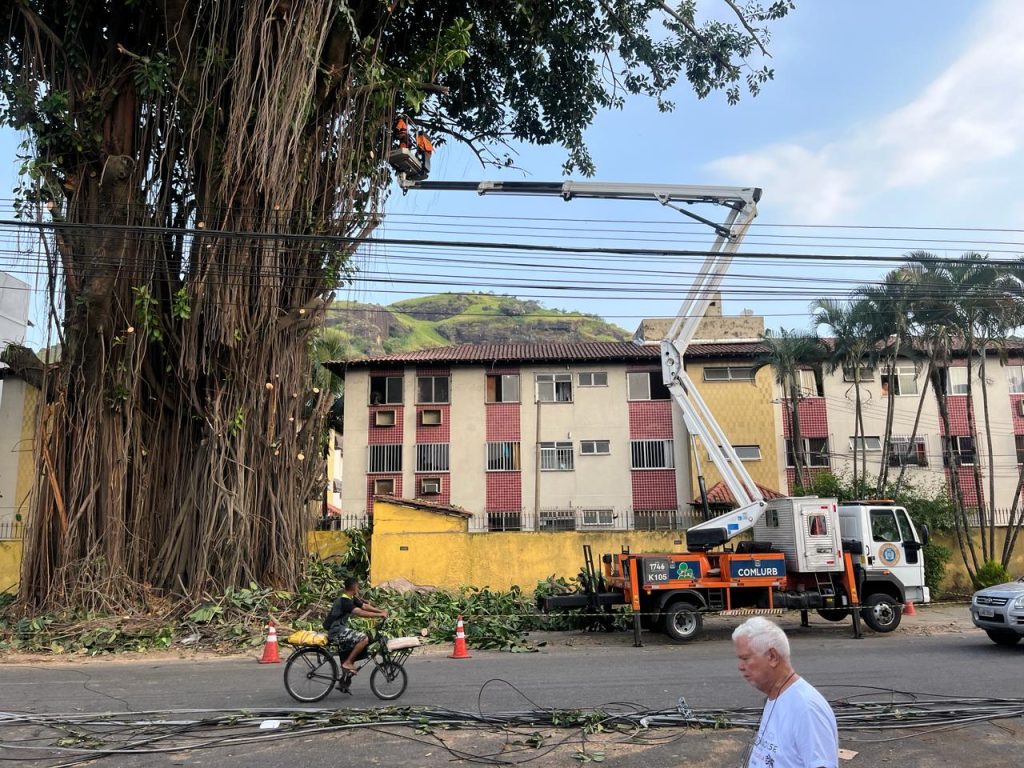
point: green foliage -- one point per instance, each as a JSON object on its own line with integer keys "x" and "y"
{"x": 936, "y": 558}
{"x": 147, "y": 313}
{"x": 991, "y": 573}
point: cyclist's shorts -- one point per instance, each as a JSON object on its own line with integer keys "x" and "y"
{"x": 345, "y": 637}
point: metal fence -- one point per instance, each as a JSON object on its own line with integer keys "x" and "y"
{"x": 555, "y": 519}
{"x": 11, "y": 529}
{"x": 341, "y": 522}
{"x": 999, "y": 517}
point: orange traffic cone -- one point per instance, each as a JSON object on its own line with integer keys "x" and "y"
{"x": 460, "y": 651}
{"x": 908, "y": 609}
{"x": 270, "y": 647}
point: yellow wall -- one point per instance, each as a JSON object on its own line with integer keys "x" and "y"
{"x": 956, "y": 573}
{"x": 10, "y": 565}
{"x": 325, "y": 544}
{"x": 745, "y": 411}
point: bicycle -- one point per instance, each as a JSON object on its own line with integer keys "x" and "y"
{"x": 312, "y": 671}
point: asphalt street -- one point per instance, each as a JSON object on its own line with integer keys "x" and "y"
{"x": 568, "y": 672}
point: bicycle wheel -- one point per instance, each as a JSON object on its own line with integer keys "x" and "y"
{"x": 388, "y": 680}
{"x": 310, "y": 674}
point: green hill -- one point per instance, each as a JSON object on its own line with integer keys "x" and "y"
{"x": 457, "y": 318}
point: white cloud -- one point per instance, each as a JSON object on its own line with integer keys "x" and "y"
{"x": 969, "y": 118}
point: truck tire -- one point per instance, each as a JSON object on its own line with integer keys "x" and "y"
{"x": 682, "y": 622}
{"x": 882, "y": 613}
{"x": 1003, "y": 636}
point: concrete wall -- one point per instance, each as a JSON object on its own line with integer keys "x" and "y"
{"x": 956, "y": 573}
{"x": 325, "y": 544}
{"x": 17, "y": 427}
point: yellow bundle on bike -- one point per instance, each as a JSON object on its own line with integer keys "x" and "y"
{"x": 306, "y": 637}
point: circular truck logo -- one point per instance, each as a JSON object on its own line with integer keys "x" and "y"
{"x": 890, "y": 554}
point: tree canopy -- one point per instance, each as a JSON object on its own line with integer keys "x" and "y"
{"x": 204, "y": 170}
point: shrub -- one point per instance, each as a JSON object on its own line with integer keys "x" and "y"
{"x": 990, "y": 574}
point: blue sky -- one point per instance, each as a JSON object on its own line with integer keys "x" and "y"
{"x": 881, "y": 114}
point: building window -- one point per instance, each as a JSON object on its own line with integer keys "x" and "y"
{"x": 962, "y": 449}
{"x": 902, "y": 379}
{"x": 903, "y": 453}
{"x": 505, "y": 521}
{"x": 557, "y": 457}
{"x": 655, "y": 520}
{"x": 385, "y": 486}
{"x": 884, "y": 526}
{"x": 729, "y": 373}
{"x": 956, "y": 381}
{"x": 503, "y": 457}
{"x": 815, "y": 452}
{"x": 1015, "y": 377}
{"x": 817, "y": 525}
{"x": 652, "y": 454}
{"x": 809, "y": 383}
{"x": 866, "y": 444}
{"x": 593, "y": 379}
{"x": 597, "y": 518}
{"x": 556, "y": 520}
{"x": 432, "y": 389}
{"x": 595, "y": 447}
{"x": 432, "y": 457}
{"x": 867, "y": 373}
{"x": 646, "y": 385}
{"x": 385, "y": 458}
{"x": 1019, "y": 440}
{"x": 771, "y": 518}
{"x": 503, "y": 388}
{"x": 554, "y": 387}
{"x": 385, "y": 390}
{"x": 745, "y": 452}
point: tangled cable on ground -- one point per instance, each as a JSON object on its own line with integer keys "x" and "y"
{"x": 72, "y": 739}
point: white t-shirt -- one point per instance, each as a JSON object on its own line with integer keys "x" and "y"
{"x": 798, "y": 730}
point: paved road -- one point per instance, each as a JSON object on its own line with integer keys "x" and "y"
{"x": 591, "y": 672}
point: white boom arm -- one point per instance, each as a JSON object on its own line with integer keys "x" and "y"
{"x": 699, "y": 421}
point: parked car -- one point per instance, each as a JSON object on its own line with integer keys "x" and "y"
{"x": 999, "y": 610}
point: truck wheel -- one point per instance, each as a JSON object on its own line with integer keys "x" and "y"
{"x": 882, "y": 613}
{"x": 682, "y": 622}
{"x": 833, "y": 614}
{"x": 1003, "y": 636}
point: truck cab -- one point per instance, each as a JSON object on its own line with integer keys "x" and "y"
{"x": 886, "y": 546}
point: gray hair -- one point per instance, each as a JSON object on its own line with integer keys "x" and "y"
{"x": 763, "y": 635}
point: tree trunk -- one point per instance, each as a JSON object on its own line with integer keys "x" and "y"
{"x": 890, "y": 407}
{"x": 961, "y": 524}
{"x": 917, "y": 422}
{"x": 984, "y": 518}
{"x": 991, "y": 551}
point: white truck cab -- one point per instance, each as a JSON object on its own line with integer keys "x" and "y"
{"x": 884, "y": 542}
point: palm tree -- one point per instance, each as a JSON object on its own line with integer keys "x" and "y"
{"x": 787, "y": 352}
{"x": 853, "y": 347}
{"x": 890, "y": 303}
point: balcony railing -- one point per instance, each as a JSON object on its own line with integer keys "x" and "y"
{"x": 11, "y": 530}
{"x": 583, "y": 519}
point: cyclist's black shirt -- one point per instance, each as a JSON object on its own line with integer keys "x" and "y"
{"x": 341, "y": 610}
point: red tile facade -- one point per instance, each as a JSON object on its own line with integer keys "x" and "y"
{"x": 386, "y": 435}
{"x": 958, "y": 406}
{"x": 369, "y": 489}
{"x": 444, "y": 497}
{"x": 650, "y": 420}
{"x": 972, "y": 495}
{"x": 504, "y": 490}
{"x": 1018, "y": 420}
{"x": 433, "y": 433}
{"x": 813, "y": 417}
{"x": 654, "y": 489}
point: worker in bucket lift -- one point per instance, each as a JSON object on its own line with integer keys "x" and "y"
{"x": 798, "y": 727}
{"x": 339, "y": 633}
{"x": 417, "y": 143}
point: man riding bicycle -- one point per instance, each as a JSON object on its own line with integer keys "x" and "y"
{"x": 339, "y": 633}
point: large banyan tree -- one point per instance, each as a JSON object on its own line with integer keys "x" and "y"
{"x": 201, "y": 172}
